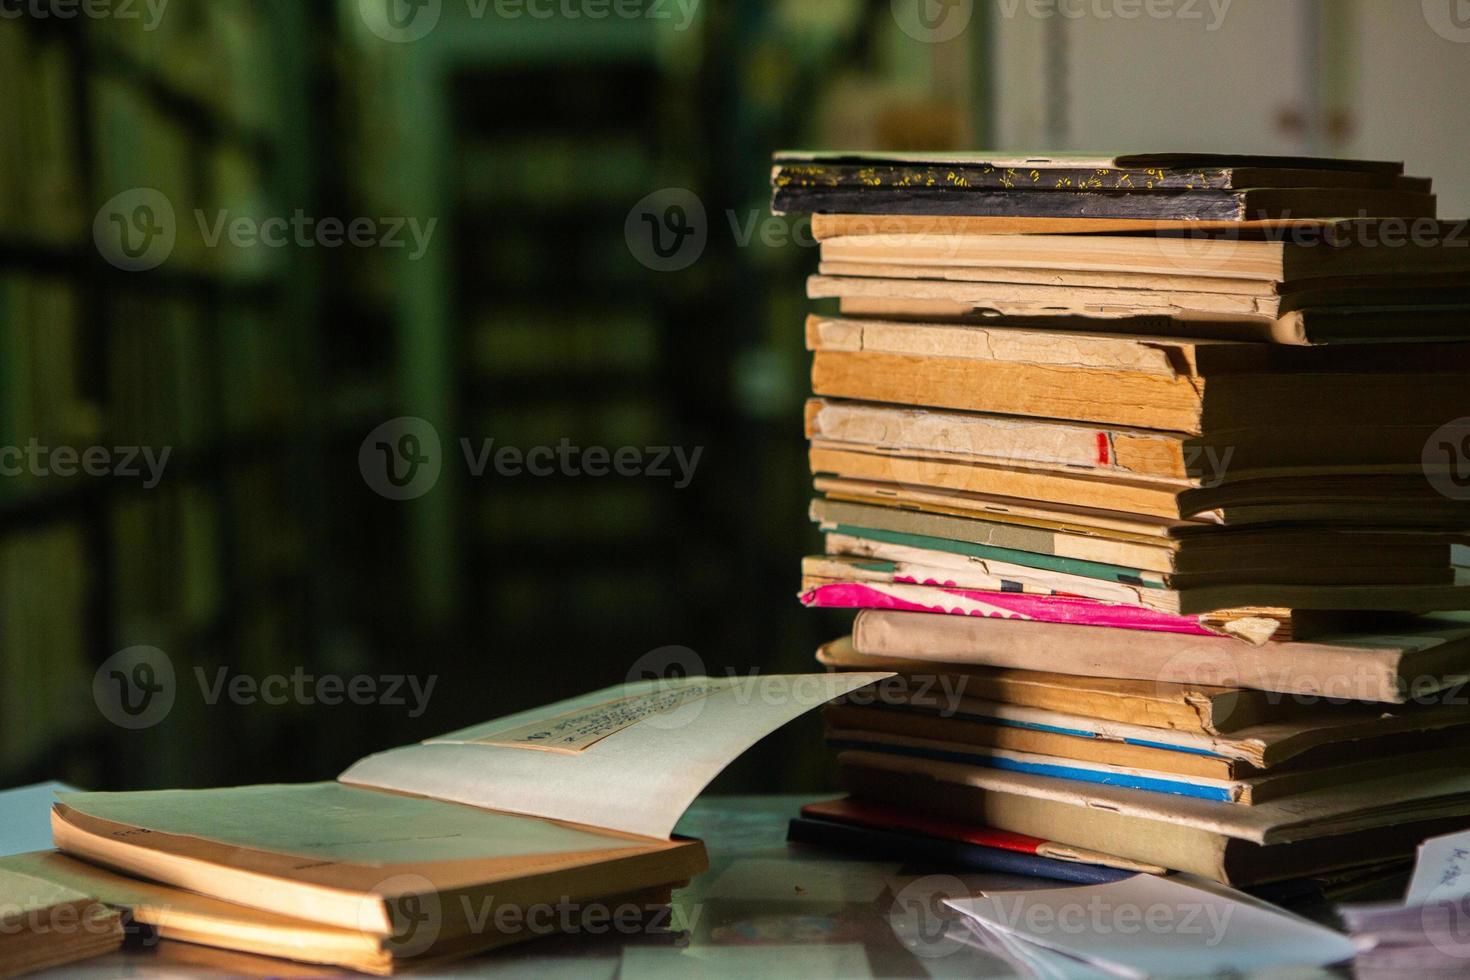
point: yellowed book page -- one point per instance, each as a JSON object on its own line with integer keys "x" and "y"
{"x": 633, "y": 757}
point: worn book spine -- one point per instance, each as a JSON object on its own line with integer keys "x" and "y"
{"x": 1166, "y": 205}
{"x": 1131, "y": 497}
{"x": 1361, "y": 672}
{"x": 1146, "y": 401}
{"x": 825, "y": 226}
{"x": 1153, "y": 704}
{"x": 1053, "y": 177}
{"x": 1004, "y": 440}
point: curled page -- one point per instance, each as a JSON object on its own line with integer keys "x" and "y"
{"x": 629, "y": 758}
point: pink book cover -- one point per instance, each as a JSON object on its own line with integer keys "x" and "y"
{"x": 1076, "y": 610}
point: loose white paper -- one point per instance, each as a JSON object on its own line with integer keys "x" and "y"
{"x": 1442, "y": 870}
{"x": 1035, "y": 962}
{"x": 638, "y": 775}
{"x": 1147, "y": 926}
{"x": 25, "y": 817}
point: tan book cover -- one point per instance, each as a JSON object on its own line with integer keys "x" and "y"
{"x": 1414, "y": 662}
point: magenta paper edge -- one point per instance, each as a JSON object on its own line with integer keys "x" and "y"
{"x": 1001, "y": 605}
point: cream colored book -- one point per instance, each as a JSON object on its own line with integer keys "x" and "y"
{"x": 1170, "y": 458}
{"x": 1409, "y": 660}
{"x": 440, "y": 844}
{"x": 169, "y": 914}
{"x": 1235, "y": 264}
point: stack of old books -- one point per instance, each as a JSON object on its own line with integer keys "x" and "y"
{"x": 1150, "y": 474}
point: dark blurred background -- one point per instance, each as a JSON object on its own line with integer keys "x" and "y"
{"x": 535, "y": 308}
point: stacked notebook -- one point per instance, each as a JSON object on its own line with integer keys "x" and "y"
{"x": 1145, "y": 472}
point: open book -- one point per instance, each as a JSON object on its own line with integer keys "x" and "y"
{"x": 450, "y": 846}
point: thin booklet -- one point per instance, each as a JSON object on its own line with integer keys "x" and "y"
{"x": 574, "y": 802}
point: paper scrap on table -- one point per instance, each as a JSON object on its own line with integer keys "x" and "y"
{"x": 801, "y": 880}
{"x": 1441, "y": 871}
{"x": 25, "y": 817}
{"x": 1149, "y": 926}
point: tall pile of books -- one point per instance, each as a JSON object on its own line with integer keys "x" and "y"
{"x": 1149, "y": 475}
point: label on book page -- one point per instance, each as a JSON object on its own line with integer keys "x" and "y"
{"x": 581, "y": 728}
{"x": 1442, "y": 870}
{"x": 634, "y": 756}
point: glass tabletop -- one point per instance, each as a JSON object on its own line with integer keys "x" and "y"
{"x": 765, "y": 909}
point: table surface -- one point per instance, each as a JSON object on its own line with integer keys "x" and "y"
{"x": 765, "y": 909}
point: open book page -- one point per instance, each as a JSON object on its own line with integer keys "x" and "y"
{"x": 331, "y": 822}
{"x": 629, "y": 758}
